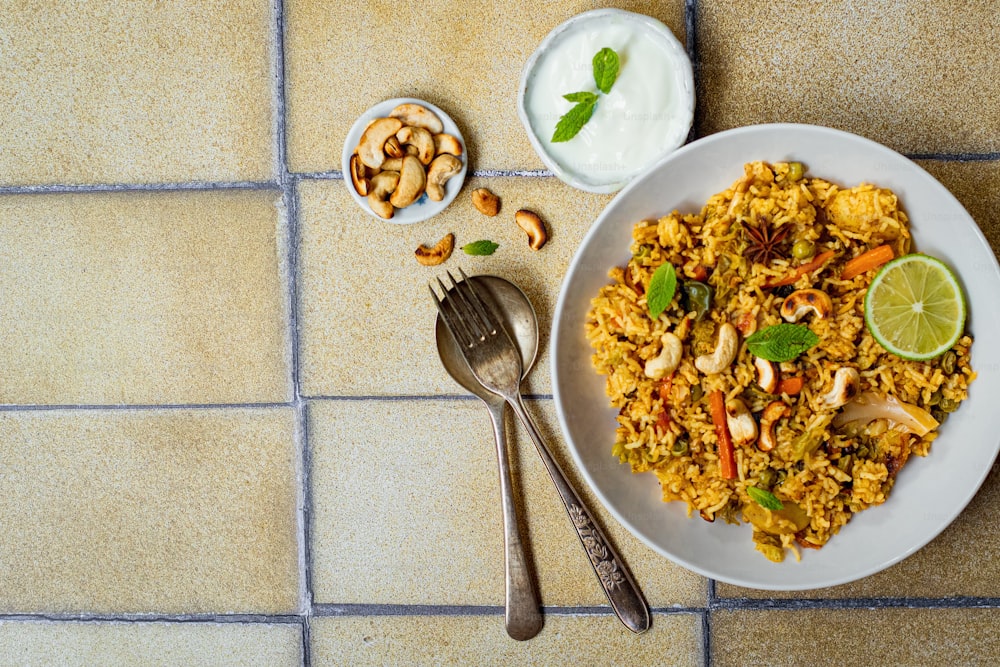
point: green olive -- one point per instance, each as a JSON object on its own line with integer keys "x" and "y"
{"x": 803, "y": 249}
{"x": 795, "y": 171}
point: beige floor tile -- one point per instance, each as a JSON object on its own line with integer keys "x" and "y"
{"x": 429, "y": 530}
{"x": 29, "y": 644}
{"x": 144, "y": 298}
{"x": 467, "y": 62}
{"x": 106, "y": 92}
{"x": 149, "y": 511}
{"x": 366, "y": 318}
{"x": 912, "y": 77}
{"x": 674, "y": 639}
{"x": 911, "y": 637}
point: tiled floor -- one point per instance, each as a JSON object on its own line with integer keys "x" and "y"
{"x": 225, "y": 437}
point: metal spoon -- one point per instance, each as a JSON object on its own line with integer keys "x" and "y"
{"x": 523, "y": 611}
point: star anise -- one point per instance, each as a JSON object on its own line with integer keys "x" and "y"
{"x": 763, "y": 245}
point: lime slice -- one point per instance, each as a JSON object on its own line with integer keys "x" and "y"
{"x": 914, "y": 307}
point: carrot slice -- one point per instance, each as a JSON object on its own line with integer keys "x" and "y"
{"x": 727, "y": 457}
{"x": 867, "y": 260}
{"x": 802, "y": 269}
{"x": 790, "y": 385}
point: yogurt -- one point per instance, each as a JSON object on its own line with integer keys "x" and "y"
{"x": 647, "y": 113}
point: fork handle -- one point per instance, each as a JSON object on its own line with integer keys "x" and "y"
{"x": 624, "y": 595}
{"x": 523, "y": 614}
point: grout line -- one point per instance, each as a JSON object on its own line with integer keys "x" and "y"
{"x": 706, "y": 638}
{"x": 387, "y": 609}
{"x": 291, "y": 261}
{"x": 414, "y": 397}
{"x": 137, "y": 407}
{"x": 955, "y": 157}
{"x": 249, "y": 619}
{"x": 138, "y": 187}
{"x": 795, "y": 604}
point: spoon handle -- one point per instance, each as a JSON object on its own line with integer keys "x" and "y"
{"x": 624, "y": 595}
{"x": 523, "y": 611}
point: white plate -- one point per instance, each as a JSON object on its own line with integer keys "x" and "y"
{"x": 425, "y": 207}
{"x": 929, "y": 492}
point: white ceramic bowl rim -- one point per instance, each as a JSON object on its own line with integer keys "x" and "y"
{"x": 929, "y": 493}
{"x": 672, "y": 43}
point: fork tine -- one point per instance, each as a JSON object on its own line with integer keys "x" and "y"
{"x": 472, "y": 305}
{"x": 466, "y": 311}
{"x": 477, "y": 301}
{"x": 450, "y": 317}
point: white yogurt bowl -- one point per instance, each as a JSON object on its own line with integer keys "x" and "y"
{"x": 646, "y": 115}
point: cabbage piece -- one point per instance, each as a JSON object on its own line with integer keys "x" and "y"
{"x": 902, "y": 416}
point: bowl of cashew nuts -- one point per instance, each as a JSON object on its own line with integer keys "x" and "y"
{"x": 404, "y": 160}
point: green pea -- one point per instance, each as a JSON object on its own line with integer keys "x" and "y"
{"x": 696, "y": 393}
{"x": 697, "y": 298}
{"x": 934, "y": 399}
{"x": 795, "y": 171}
{"x": 948, "y": 405}
{"x": 803, "y": 249}
{"x": 767, "y": 478}
{"x": 680, "y": 446}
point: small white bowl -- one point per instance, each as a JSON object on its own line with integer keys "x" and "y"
{"x": 425, "y": 207}
{"x": 682, "y": 84}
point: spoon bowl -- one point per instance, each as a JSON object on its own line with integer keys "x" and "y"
{"x": 518, "y": 318}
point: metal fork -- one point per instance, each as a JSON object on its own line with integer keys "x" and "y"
{"x": 496, "y": 363}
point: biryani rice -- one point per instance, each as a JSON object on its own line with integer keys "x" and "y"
{"x": 821, "y": 470}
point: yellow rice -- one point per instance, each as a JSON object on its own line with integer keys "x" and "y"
{"x": 821, "y": 470}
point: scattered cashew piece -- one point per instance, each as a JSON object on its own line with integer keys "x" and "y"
{"x": 359, "y": 176}
{"x": 767, "y": 375}
{"x": 742, "y": 426}
{"x": 669, "y": 358}
{"x": 437, "y": 254}
{"x": 371, "y": 147}
{"x": 485, "y": 202}
{"x": 412, "y": 180}
{"x": 724, "y": 353}
{"x": 418, "y": 116}
{"x": 533, "y": 227}
{"x": 418, "y": 138}
{"x": 379, "y": 191}
{"x": 447, "y": 143}
{"x": 846, "y": 385}
{"x": 801, "y": 302}
{"x": 774, "y": 411}
{"x": 442, "y": 168}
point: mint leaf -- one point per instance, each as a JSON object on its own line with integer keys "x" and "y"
{"x": 605, "y": 69}
{"x": 781, "y": 342}
{"x": 483, "y": 247}
{"x": 574, "y": 120}
{"x": 661, "y": 290}
{"x": 765, "y": 499}
{"x": 582, "y": 96}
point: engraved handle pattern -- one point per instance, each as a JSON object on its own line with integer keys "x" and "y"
{"x": 603, "y": 560}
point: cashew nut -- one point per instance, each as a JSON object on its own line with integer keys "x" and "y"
{"x": 393, "y": 148}
{"x": 533, "y": 226}
{"x": 669, "y": 358}
{"x": 359, "y": 175}
{"x": 412, "y": 180}
{"x": 372, "y": 143}
{"x": 798, "y": 304}
{"x": 420, "y": 139}
{"x": 724, "y": 353}
{"x": 485, "y": 202}
{"x": 846, "y": 385}
{"x": 767, "y": 375}
{"x": 742, "y": 426}
{"x": 393, "y": 164}
{"x": 418, "y": 116}
{"x": 774, "y": 411}
{"x": 438, "y": 254}
{"x": 381, "y": 187}
{"x": 442, "y": 168}
{"x": 446, "y": 143}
